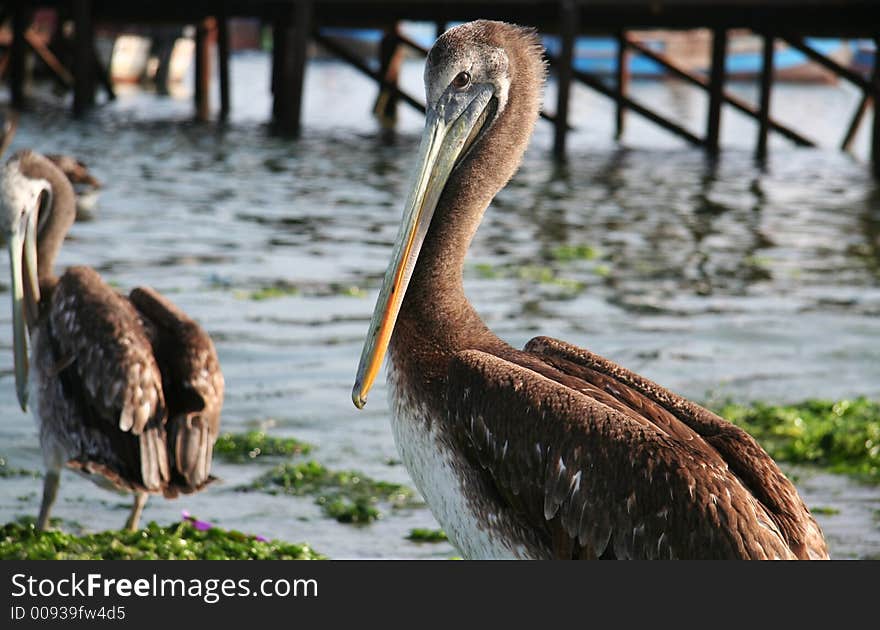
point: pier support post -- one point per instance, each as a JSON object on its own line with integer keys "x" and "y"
{"x": 716, "y": 89}
{"x": 202, "y": 92}
{"x": 875, "y": 132}
{"x": 223, "y": 64}
{"x": 83, "y": 57}
{"x": 568, "y": 29}
{"x": 16, "y": 55}
{"x": 764, "y": 107}
{"x": 622, "y": 83}
{"x": 856, "y": 122}
{"x": 390, "y": 60}
{"x": 292, "y": 30}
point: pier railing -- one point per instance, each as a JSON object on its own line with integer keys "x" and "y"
{"x": 296, "y": 23}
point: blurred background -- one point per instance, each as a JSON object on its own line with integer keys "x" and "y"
{"x": 269, "y": 214}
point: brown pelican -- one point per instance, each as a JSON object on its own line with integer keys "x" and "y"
{"x": 127, "y": 392}
{"x": 84, "y": 183}
{"x": 551, "y": 451}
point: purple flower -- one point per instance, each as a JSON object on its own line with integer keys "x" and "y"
{"x": 199, "y": 525}
{"x": 204, "y": 525}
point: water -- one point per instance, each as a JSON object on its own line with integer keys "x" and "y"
{"x": 723, "y": 280}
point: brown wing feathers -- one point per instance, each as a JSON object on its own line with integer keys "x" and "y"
{"x": 193, "y": 385}
{"x": 114, "y": 377}
{"x": 148, "y": 428}
{"x": 596, "y": 481}
{"x": 739, "y": 450}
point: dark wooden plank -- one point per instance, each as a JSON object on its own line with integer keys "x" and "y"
{"x": 20, "y": 19}
{"x": 622, "y": 83}
{"x": 292, "y": 31}
{"x": 223, "y": 64}
{"x": 716, "y": 89}
{"x": 875, "y": 132}
{"x": 202, "y": 92}
{"x": 568, "y": 29}
{"x": 83, "y": 57}
{"x": 764, "y": 106}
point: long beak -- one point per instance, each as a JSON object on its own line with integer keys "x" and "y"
{"x": 450, "y": 130}
{"x": 25, "y": 297}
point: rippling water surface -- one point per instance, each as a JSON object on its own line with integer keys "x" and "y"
{"x": 720, "y": 280}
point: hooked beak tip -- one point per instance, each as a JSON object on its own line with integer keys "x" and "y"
{"x": 356, "y": 397}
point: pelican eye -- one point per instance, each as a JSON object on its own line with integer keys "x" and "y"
{"x": 461, "y": 80}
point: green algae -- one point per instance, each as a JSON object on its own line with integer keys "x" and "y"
{"x": 178, "y": 541}
{"x": 347, "y": 496}
{"x": 825, "y": 511}
{"x": 840, "y": 436}
{"x": 8, "y": 471}
{"x": 269, "y": 292}
{"x": 567, "y": 253}
{"x": 281, "y": 289}
{"x": 252, "y": 445}
{"x": 424, "y": 535}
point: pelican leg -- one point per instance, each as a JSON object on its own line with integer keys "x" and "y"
{"x": 140, "y": 500}
{"x": 50, "y": 490}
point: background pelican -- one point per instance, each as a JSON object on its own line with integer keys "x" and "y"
{"x": 552, "y": 451}
{"x": 126, "y": 391}
{"x": 85, "y": 185}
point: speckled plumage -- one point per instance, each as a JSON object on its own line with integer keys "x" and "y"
{"x": 127, "y": 391}
{"x": 552, "y": 451}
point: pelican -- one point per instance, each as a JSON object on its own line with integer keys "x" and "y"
{"x": 550, "y": 451}
{"x": 84, "y": 183}
{"x": 125, "y": 391}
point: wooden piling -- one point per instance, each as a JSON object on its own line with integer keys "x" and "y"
{"x": 104, "y": 77}
{"x": 568, "y": 29}
{"x": 293, "y": 30}
{"x": 202, "y": 92}
{"x": 856, "y": 122}
{"x": 716, "y": 89}
{"x": 16, "y": 54}
{"x": 83, "y": 57}
{"x": 875, "y": 132}
{"x": 764, "y": 107}
{"x": 623, "y": 76}
{"x": 223, "y": 64}
{"x": 390, "y": 59}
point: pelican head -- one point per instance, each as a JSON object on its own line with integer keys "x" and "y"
{"x": 473, "y": 74}
{"x": 21, "y": 198}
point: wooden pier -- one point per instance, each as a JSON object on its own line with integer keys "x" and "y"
{"x": 296, "y": 23}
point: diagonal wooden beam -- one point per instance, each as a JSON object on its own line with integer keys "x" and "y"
{"x": 798, "y": 43}
{"x": 33, "y": 40}
{"x": 730, "y": 99}
{"x": 596, "y": 84}
{"x": 346, "y": 55}
{"x": 856, "y": 122}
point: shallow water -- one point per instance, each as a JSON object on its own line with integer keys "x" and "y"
{"x": 720, "y": 280}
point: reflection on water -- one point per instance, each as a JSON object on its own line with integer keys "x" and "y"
{"x": 718, "y": 279}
